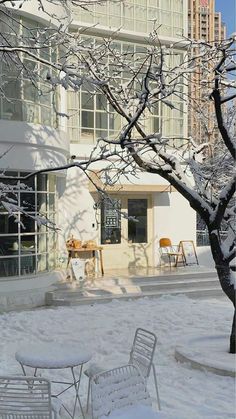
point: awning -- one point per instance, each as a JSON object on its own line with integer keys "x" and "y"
{"x": 124, "y": 186}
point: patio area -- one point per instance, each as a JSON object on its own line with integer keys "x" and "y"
{"x": 194, "y": 281}
{"x": 107, "y": 331}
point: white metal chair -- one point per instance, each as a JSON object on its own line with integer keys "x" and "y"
{"x": 25, "y": 398}
{"x": 116, "y": 389}
{"x": 141, "y": 355}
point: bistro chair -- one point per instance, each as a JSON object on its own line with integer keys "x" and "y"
{"x": 25, "y": 398}
{"x": 172, "y": 252}
{"x": 118, "y": 389}
{"x": 141, "y": 355}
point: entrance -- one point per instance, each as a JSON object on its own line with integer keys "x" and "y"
{"x": 126, "y": 231}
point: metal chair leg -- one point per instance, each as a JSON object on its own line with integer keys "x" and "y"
{"x": 156, "y": 386}
{"x": 88, "y": 395}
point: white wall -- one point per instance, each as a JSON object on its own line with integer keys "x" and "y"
{"x": 76, "y": 214}
{"x": 32, "y": 10}
{"x": 31, "y": 147}
{"x": 173, "y": 218}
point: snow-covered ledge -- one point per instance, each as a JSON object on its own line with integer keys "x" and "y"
{"x": 17, "y": 294}
{"x": 208, "y": 353}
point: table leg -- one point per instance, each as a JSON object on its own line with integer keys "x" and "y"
{"x": 69, "y": 258}
{"x": 76, "y": 385}
{"x": 101, "y": 262}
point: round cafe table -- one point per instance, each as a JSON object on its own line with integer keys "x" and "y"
{"x": 52, "y": 356}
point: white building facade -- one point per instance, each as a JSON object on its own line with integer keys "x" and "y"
{"x": 33, "y": 138}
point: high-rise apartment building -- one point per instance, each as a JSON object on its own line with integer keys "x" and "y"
{"x": 204, "y": 23}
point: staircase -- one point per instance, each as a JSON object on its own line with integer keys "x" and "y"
{"x": 101, "y": 290}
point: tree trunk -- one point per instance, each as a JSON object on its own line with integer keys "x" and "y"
{"x": 224, "y": 275}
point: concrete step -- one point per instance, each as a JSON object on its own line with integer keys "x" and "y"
{"x": 194, "y": 284}
{"x": 94, "y": 299}
{"x": 107, "y": 287}
{"x": 175, "y": 276}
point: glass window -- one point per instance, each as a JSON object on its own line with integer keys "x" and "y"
{"x": 137, "y": 228}
{"x": 101, "y": 120}
{"x": 87, "y": 101}
{"x": 87, "y": 119}
{"x": 110, "y": 221}
{"x": 22, "y": 241}
{"x": 27, "y": 77}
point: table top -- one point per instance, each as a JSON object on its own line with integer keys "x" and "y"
{"x": 52, "y": 355}
{"x": 84, "y": 249}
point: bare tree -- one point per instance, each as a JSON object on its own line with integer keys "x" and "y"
{"x": 135, "y": 84}
{"x": 160, "y": 75}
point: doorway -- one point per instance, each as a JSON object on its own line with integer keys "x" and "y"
{"x": 127, "y": 231}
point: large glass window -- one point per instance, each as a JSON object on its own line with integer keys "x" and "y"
{"x": 91, "y": 117}
{"x": 137, "y": 15}
{"x": 26, "y": 247}
{"x": 26, "y": 95}
{"x": 137, "y": 223}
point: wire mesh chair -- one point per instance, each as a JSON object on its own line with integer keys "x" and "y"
{"x": 141, "y": 355}
{"x": 116, "y": 389}
{"x": 25, "y": 398}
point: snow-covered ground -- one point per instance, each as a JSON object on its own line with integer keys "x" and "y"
{"x": 108, "y": 329}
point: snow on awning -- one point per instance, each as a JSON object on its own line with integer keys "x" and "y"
{"x": 132, "y": 184}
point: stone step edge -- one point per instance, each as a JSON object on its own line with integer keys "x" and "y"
{"x": 143, "y": 282}
{"x": 104, "y": 298}
{"x": 168, "y": 285}
{"x": 132, "y": 289}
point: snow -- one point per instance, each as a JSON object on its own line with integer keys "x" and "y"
{"x": 52, "y": 355}
{"x": 107, "y": 331}
{"x": 136, "y": 412}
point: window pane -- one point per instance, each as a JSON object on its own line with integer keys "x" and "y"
{"x": 110, "y": 221}
{"x": 12, "y": 110}
{"x": 87, "y": 119}
{"x": 87, "y": 101}
{"x": 101, "y": 120}
{"x": 101, "y": 102}
{"x": 42, "y": 182}
{"x": 8, "y": 267}
{"x": 9, "y": 246}
{"x": 27, "y": 264}
{"x": 27, "y": 244}
{"x": 27, "y": 224}
{"x": 52, "y": 183}
{"x": 8, "y": 224}
{"x": 29, "y": 182}
{"x": 27, "y": 201}
{"x": 137, "y": 230}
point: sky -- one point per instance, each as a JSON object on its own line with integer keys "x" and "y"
{"x": 228, "y": 10}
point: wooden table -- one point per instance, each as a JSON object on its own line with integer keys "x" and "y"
{"x": 73, "y": 253}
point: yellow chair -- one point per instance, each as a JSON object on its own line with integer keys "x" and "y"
{"x": 171, "y": 251}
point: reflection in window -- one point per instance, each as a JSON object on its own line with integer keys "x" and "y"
{"x": 137, "y": 229}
